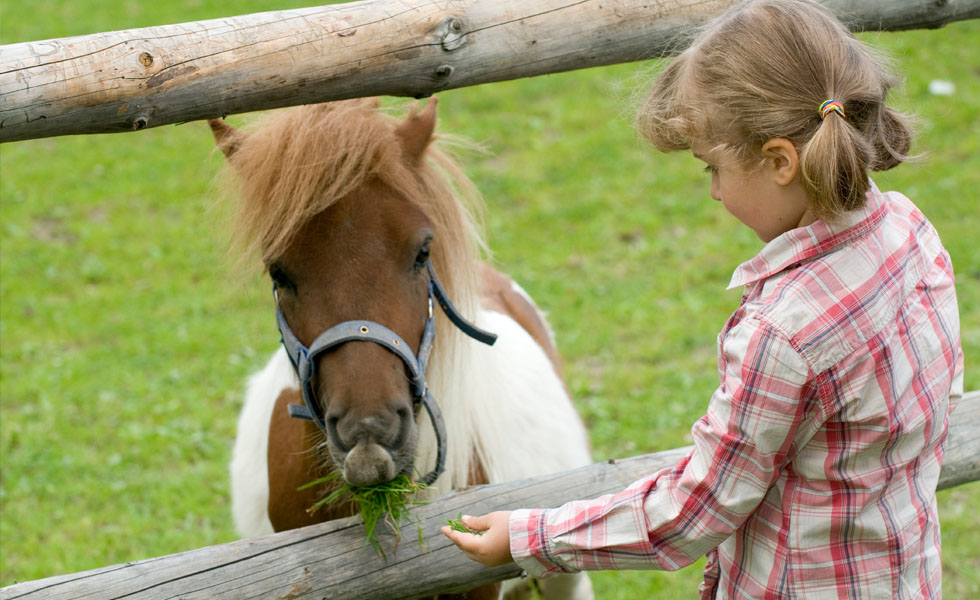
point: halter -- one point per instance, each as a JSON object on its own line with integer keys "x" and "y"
{"x": 304, "y": 360}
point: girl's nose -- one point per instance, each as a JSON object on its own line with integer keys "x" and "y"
{"x": 714, "y": 192}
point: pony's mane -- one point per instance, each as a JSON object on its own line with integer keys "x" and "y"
{"x": 295, "y": 163}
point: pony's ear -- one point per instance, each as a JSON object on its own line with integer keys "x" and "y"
{"x": 415, "y": 131}
{"x": 226, "y": 137}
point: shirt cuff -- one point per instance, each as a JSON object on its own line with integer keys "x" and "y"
{"x": 529, "y": 543}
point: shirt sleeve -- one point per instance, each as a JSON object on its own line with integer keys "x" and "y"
{"x": 672, "y": 518}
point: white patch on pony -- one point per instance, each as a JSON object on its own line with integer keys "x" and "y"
{"x": 526, "y": 423}
{"x": 249, "y": 469}
{"x": 506, "y": 402}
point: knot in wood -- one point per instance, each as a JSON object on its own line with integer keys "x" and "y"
{"x": 146, "y": 59}
{"x": 451, "y": 33}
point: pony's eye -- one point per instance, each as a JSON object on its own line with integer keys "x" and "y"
{"x": 422, "y": 257}
{"x": 279, "y": 278}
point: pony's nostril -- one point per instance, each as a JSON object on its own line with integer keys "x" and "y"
{"x": 334, "y": 435}
{"x": 405, "y": 422}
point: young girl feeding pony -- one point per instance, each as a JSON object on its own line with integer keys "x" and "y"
{"x": 813, "y": 472}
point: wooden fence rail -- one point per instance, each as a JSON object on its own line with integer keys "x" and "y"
{"x": 141, "y": 78}
{"x": 332, "y": 560}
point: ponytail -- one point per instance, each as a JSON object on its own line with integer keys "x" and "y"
{"x": 836, "y": 158}
{"x": 834, "y": 164}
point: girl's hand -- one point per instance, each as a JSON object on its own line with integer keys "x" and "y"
{"x": 492, "y": 547}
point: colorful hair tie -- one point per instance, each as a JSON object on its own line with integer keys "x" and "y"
{"x": 830, "y": 106}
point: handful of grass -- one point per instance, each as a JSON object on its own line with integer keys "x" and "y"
{"x": 389, "y": 501}
{"x": 457, "y": 525}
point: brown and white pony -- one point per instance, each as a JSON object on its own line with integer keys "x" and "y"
{"x": 346, "y": 205}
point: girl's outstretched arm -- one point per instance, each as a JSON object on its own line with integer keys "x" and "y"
{"x": 492, "y": 546}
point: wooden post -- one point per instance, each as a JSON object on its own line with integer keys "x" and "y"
{"x": 333, "y": 561}
{"x": 141, "y": 78}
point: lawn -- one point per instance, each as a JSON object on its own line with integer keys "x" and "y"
{"x": 125, "y": 337}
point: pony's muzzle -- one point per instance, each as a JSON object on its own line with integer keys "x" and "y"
{"x": 372, "y": 449}
{"x": 367, "y": 464}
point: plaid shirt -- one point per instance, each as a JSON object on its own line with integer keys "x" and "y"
{"x": 813, "y": 473}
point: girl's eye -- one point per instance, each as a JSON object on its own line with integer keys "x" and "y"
{"x": 710, "y": 169}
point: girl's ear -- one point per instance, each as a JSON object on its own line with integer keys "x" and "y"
{"x": 781, "y": 160}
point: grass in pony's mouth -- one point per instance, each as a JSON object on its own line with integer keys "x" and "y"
{"x": 389, "y": 501}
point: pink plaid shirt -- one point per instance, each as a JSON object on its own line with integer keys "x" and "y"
{"x": 813, "y": 473}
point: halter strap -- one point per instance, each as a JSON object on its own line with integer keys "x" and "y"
{"x": 303, "y": 360}
{"x": 454, "y": 315}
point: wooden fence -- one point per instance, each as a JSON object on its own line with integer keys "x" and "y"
{"x": 141, "y": 78}
{"x": 333, "y": 561}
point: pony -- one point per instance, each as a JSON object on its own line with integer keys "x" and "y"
{"x": 361, "y": 221}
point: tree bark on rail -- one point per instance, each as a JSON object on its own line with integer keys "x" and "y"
{"x": 141, "y": 78}
{"x": 333, "y": 561}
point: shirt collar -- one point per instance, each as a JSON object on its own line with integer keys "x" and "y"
{"x": 804, "y": 243}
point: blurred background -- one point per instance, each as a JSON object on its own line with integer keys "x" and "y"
{"x": 125, "y": 336}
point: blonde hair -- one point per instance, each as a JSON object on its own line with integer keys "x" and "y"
{"x": 761, "y": 71}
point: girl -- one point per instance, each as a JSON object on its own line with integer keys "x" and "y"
{"x": 813, "y": 473}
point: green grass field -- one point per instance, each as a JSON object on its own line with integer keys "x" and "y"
{"x": 125, "y": 337}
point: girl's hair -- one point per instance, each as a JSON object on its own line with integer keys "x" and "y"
{"x": 761, "y": 71}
